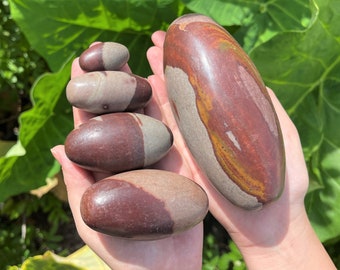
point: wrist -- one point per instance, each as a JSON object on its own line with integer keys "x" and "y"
{"x": 298, "y": 248}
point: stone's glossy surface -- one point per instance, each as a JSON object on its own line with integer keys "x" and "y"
{"x": 108, "y": 91}
{"x": 144, "y": 204}
{"x": 224, "y": 111}
{"x": 118, "y": 142}
{"x": 104, "y": 56}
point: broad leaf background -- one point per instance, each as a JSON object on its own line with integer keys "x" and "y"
{"x": 294, "y": 44}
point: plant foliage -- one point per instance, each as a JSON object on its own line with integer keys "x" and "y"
{"x": 216, "y": 257}
{"x": 29, "y": 226}
{"x": 19, "y": 67}
{"x": 82, "y": 259}
{"x": 295, "y": 44}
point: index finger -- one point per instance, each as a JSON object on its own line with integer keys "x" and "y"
{"x": 79, "y": 116}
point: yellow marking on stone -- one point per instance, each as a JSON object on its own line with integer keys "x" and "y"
{"x": 223, "y": 152}
{"x": 234, "y": 170}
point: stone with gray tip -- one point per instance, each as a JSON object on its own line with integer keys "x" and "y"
{"x": 108, "y": 91}
{"x": 118, "y": 142}
{"x": 144, "y": 204}
{"x": 104, "y": 56}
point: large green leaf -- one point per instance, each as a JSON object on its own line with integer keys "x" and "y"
{"x": 303, "y": 68}
{"x": 260, "y": 20}
{"x": 42, "y": 127}
{"x": 82, "y": 259}
{"x": 58, "y": 29}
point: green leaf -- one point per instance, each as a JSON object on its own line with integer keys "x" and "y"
{"x": 5, "y": 146}
{"x": 59, "y": 29}
{"x": 213, "y": 259}
{"x": 303, "y": 68}
{"x": 86, "y": 258}
{"x": 260, "y": 20}
{"x": 82, "y": 259}
{"x": 42, "y": 127}
{"x": 322, "y": 204}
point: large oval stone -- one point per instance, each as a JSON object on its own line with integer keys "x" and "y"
{"x": 224, "y": 111}
{"x": 108, "y": 91}
{"x": 104, "y": 56}
{"x": 118, "y": 142}
{"x": 144, "y": 204}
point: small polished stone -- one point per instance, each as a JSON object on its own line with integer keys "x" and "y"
{"x": 144, "y": 204}
{"x": 118, "y": 142}
{"x": 104, "y": 56}
{"x": 102, "y": 92}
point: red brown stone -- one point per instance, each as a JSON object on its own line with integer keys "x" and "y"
{"x": 118, "y": 142}
{"x": 143, "y": 204}
{"x": 224, "y": 111}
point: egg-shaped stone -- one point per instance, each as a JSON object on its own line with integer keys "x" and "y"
{"x": 118, "y": 142}
{"x": 102, "y": 92}
{"x": 224, "y": 111}
{"x": 144, "y": 204}
{"x": 104, "y": 56}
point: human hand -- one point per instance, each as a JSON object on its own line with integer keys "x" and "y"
{"x": 182, "y": 251}
{"x": 257, "y": 233}
{"x": 280, "y": 234}
{"x": 292, "y": 147}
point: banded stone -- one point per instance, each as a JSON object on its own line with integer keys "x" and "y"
{"x": 224, "y": 111}
{"x": 144, "y": 204}
{"x": 108, "y": 91}
{"x": 104, "y": 56}
{"x": 118, "y": 142}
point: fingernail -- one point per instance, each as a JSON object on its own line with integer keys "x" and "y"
{"x": 55, "y": 153}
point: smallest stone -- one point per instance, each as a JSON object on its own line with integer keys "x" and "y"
{"x": 104, "y": 56}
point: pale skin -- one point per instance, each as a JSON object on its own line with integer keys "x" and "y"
{"x": 279, "y": 236}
